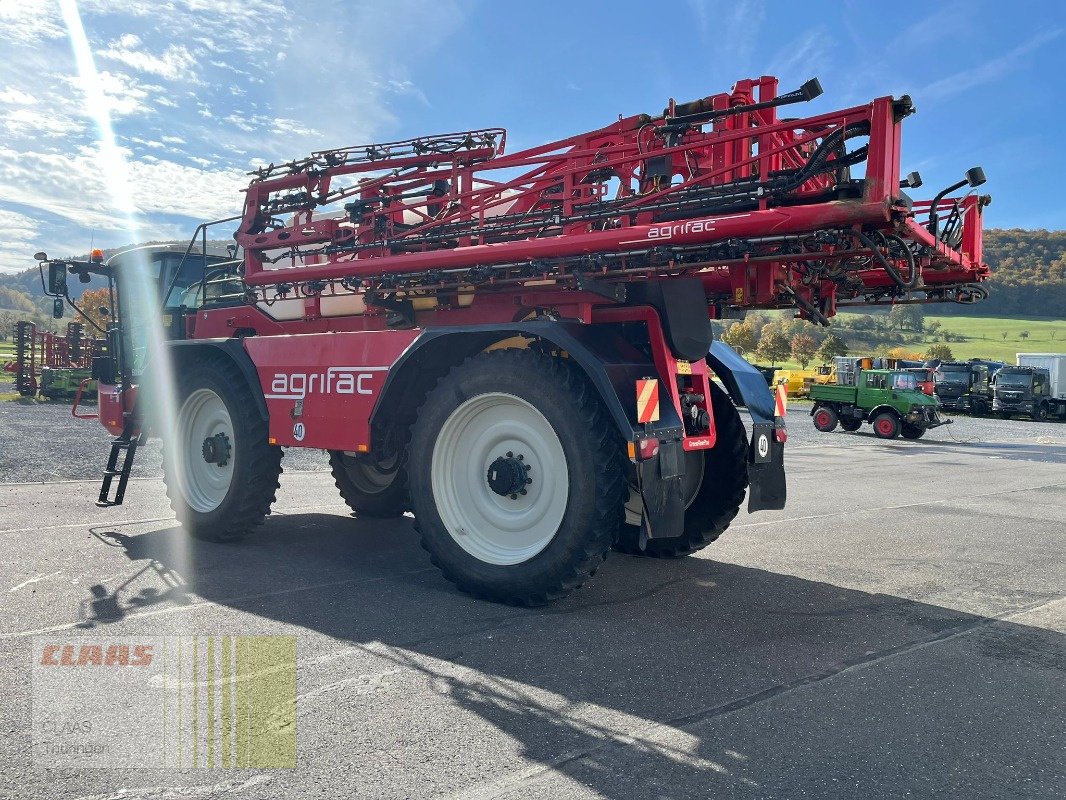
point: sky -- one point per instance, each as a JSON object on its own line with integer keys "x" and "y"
{"x": 200, "y": 91}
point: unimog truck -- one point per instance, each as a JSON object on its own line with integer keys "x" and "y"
{"x": 889, "y": 400}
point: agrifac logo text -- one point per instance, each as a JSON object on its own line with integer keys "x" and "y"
{"x": 335, "y": 380}
{"x": 670, "y": 231}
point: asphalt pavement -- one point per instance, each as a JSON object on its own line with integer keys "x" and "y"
{"x": 897, "y": 631}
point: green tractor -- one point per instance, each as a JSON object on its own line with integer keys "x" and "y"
{"x": 890, "y": 400}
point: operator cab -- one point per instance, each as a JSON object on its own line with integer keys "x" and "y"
{"x": 169, "y": 280}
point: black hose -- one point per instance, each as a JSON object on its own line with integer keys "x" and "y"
{"x": 887, "y": 266}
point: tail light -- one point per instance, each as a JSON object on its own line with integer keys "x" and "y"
{"x": 647, "y": 448}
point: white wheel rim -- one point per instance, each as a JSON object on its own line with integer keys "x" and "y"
{"x": 493, "y": 528}
{"x": 204, "y": 485}
{"x": 691, "y": 482}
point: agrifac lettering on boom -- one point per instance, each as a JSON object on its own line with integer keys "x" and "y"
{"x": 470, "y": 332}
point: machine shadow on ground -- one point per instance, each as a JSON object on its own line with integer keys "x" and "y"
{"x": 667, "y": 645}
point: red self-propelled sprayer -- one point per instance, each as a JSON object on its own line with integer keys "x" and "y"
{"x": 517, "y": 347}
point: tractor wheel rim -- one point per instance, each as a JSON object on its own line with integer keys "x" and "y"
{"x": 884, "y": 426}
{"x": 823, "y": 418}
{"x": 204, "y": 484}
{"x": 499, "y": 529}
{"x": 691, "y": 481}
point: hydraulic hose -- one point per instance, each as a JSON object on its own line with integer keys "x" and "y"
{"x": 913, "y": 275}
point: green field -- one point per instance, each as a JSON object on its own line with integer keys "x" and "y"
{"x": 982, "y": 337}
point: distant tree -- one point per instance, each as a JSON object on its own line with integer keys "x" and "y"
{"x": 934, "y": 326}
{"x": 832, "y": 347}
{"x": 773, "y": 346}
{"x": 939, "y": 352}
{"x": 1004, "y": 334}
{"x": 740, "y": 337}
{"x": 803, "y": 348}
{"x": 907, "y": 317}
{"x": 904, "y": 353}
{"x": 1024, "y": 334}
{"x": 90, "y": 304}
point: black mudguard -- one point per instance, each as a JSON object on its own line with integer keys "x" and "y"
{"x": 766, "y": 456}
{"x": 191, "y": 351}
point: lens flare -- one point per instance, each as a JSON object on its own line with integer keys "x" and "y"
{"x": 137, "y": 283}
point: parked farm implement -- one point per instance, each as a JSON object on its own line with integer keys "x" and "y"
{"x": 50, "y": 364}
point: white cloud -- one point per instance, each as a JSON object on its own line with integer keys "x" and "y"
{"x": 124, "y": 94}
{"x": 174, "y": 63}
{"x": 30, "y": 123}
{"x": 991, "y": 69}
{"x": 30, "y": 21}
{"x": 17, "y": 97}
{"x": 18, "y": 234}
{"x": 71, "y": 186}
{"x": 200, "y": 74}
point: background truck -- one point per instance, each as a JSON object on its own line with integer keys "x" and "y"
{"x": 1036, "y": 386}
{"x": 517, "y": 347}
{"x": 889, "y": 400}
{"x": 925, "y": 377}
{"x": 963, "y": 386}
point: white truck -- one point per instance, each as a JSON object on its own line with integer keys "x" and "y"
{"x": 1035, "y": 387}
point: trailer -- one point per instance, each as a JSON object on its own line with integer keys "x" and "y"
{"x": 516, "y": 347}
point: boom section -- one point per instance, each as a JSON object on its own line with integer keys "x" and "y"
{"x": 767, "y": 212}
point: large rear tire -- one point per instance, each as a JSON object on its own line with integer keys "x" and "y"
{"x": 825, "y": 419}
{"x": 221, "y": 475}
{"x": 369, "y": 489}
{"x": 516, "y": 477}
{"x": 717, "y": 500}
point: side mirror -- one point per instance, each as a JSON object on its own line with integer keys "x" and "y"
{"x": 57, "y": 308}
{"x": 57, "y": 279}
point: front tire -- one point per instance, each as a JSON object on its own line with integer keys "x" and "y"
{"x": 518, "y": 485}
{"x": 886, "y": 425}
{"x": 370, "y": 489}
{"x": 221, "y": 475}
{"x": 912, "y": 431}
{"x": 722, "y": 484}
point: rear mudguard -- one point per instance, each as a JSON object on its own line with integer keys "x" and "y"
{"x": 766, "y": 456}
